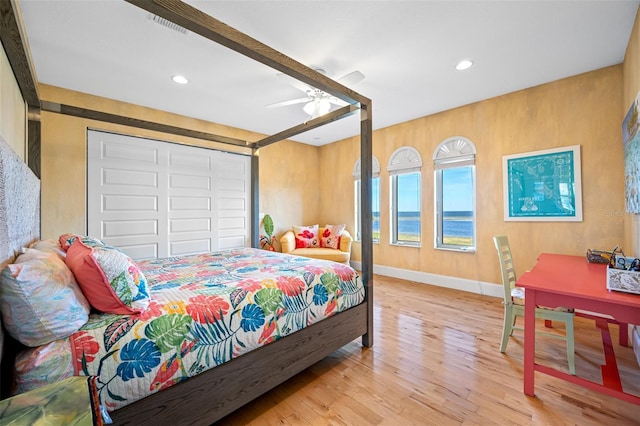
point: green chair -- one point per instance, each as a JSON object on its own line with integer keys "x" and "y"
{"x": 514, "y": 305}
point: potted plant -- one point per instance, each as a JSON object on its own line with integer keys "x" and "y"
{"x": 267, "y": 241}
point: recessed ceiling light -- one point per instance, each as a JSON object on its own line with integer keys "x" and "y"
{"x": 464, "y": 64}
{"x": 180, "y": 79}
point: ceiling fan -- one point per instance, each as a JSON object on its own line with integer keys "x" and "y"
{"x": 316, "y": 102}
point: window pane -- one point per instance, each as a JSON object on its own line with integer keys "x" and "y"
{"x": 375, "y": 209}
{"x": 457, "y": 206}
{"x": 407, "y": 207}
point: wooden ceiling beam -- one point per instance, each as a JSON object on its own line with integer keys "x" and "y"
{"x": 141, "y": 124}
{"x": 343, "y": 112}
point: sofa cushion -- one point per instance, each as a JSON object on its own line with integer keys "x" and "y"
{"x": 323, "y": 253}
{"x": 306, "y": 236}
{"x": 330, "y": 236}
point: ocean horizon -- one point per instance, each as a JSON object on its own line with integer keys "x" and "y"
{"x": 456, "y": 223}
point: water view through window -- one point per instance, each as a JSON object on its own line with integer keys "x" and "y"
{"x": 457, "y": 206}
{"x": 407, "y": 219}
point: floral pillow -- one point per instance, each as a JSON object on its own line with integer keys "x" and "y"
{"x": 111, "y": 280}
{"x": 40, "y": 299}
{"x": 65, "y": 241}
{"x": 306, "y": 236}
{"x": 330, "y": 237}
{"x": 55, "y": 358}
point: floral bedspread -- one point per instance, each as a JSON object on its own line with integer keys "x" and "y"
{"x": 205, "y": 310}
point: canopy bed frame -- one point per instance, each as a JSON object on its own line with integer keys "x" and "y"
{"x": 217, "y": 392}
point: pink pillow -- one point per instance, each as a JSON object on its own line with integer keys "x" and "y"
{"x": 109, "y": 279}
{"x": 330, "y": 237}
{"x": 306, "y": 236}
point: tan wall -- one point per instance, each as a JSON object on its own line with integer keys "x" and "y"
{"x": 582, "y": 110}
{"x": 64, "y": 162}
{"x": 631, "y": 89}
{"x": 13, "y": 110}
{"x": 289, "y": 185}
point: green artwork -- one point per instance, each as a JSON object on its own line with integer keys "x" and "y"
{"x": 543, "y": 185}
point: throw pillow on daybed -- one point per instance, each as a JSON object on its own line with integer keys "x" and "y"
{"x": 40, "y": 300}
{"x": 306, "y": 236}
{"x": 111, "y": 280}
{"x": 330, "y": 237}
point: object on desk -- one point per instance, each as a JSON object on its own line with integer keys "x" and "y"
{"x": 514, "y": 308}
{"x": 598, "y": 256}
{"x": 623, "y": 280}
{"x": 620, "y": 261}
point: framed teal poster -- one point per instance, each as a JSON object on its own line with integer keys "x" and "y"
{"x": 631, "y": 144}
{"x": 543, "y": 185}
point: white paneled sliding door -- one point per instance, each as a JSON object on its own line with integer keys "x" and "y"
{"x": 159, "y": 199}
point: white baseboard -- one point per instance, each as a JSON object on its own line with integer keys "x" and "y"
{"x": 472, "y": 286}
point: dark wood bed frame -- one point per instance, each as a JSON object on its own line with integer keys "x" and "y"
{"x": 213, "y": 394}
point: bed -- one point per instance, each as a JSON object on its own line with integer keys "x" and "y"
{"x": 216, "y": 392}
{"x": 158, "y": 322}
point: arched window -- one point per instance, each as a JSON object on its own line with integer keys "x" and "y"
{"x": 404, "y": 169}
{"x": 375, "y": 200}
{"x": 454, "y": 163}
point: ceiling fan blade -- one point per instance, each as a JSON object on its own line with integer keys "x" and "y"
{"x": 295, "y": 83}
{"x": 351, "y": 78}
{"x": 336, "y": 101}
{"x": 291, "y": 102}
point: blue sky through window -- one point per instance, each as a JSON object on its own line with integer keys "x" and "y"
{"x": 409, "y": 192}
{"x": 457, "y": 189}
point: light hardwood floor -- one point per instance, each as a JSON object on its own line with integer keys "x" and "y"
{"x": 436, "y": 361}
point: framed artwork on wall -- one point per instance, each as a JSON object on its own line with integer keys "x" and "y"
{"x": 543, "y": 185}
{"x": 631, "y": 144}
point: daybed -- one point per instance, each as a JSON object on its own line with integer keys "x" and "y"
{"x": 211, "y": 394}
{"x": 341, "y": 253}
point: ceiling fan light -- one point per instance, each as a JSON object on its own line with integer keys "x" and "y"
{"x": 324, "y": 107}
{"x": 309, "y": 107}
{"x": 317, "y": 107}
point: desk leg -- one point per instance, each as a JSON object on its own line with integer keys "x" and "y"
{"x": 623, "y": 337}
{"x": 529, "y": 340}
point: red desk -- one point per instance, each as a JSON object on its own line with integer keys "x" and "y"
{"x": 561, "y": 280}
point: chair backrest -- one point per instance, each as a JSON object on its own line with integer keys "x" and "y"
{"x": 506, "y": 265}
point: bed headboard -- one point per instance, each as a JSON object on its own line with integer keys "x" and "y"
{"x": 19, "y": 211}
{"x": 19, "y": 204}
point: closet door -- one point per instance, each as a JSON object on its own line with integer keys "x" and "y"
{"x": 157, "y": 199}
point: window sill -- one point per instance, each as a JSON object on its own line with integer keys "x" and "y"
{"x": 458, "y": 249}
{"x": 404, "y": 244}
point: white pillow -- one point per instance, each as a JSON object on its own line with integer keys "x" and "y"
{"x": 40, "y": 300}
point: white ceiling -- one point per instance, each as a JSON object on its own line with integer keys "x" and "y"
{"x": 407, "y": 51}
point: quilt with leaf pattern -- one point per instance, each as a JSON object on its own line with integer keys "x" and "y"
{"x": 205, "y": 310}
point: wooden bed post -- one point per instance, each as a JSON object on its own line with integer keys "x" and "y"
{"x": 366, "y": 167}
{"x": 16, "y": 46}
{"x": 255, "y": 198}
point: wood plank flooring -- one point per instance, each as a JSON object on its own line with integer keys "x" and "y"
{"x": 436, "y": 361}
